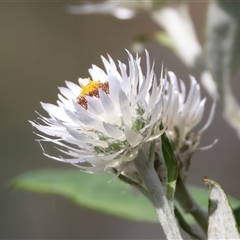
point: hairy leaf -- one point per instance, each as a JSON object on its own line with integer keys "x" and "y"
{"x": 222, "y": 42}
{"x": 99, "y": 192}
{"x": 222, "y": 224}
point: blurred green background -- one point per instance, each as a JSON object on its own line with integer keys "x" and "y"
{"x": 40, "y": 47}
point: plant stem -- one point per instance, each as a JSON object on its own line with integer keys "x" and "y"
{"x": 186, "y": 227}
{"x": 134, "y": 184}
{"x": 163, "y": 207}
{"x": 190, "y": 205}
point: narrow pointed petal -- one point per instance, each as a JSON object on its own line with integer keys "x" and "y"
{"x": 125, "y": 108}
{"x": 132, "y": 137}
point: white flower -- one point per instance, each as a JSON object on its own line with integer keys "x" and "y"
{"x": 105, "y": 121}
{"x": 184, "y": 113}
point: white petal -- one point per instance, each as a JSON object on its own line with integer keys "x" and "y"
{"x": 126, "y": 84}
{"x": 132, "y": 137}
{"x": 74, "y": 88}
{"x": 114, "y": 86}
{"x": 86, "y": 139}
{"x": 63, "y": 159}
{"x": 125, "y": 108}
{"x": 173, "y": 80}
{"x": 113, "y": 131}
{"x": 67, "y": 93}
{"x": 97, "y": 74}
{"x": 108, "y": 157}
{"x": 109, "y": 108}
{"x": 95, "y": 107}
{"x": 84, "y": 116}
{"x": 210, "y": 118}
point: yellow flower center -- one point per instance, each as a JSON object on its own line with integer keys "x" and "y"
{"x": 90, "y": 87}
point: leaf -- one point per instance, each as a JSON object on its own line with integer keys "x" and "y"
{"x": 222, "y": 224}
{"x": 99, "y": 192}
{"x": 171, "y": 164}
{"x": 223, "y": 56}
{"x": 222, "y": 41}
{"x": 236, "y": 213}
{"x": 96, "y": 192}
{"x": 184, "y": 224}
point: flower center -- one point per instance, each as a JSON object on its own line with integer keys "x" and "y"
{"x": 91, "y": 88}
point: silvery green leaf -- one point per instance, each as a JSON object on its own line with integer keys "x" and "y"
{"x": 222, "y": 41}
{"x": 223, "y": 55}
{"x": 222, "y": 224}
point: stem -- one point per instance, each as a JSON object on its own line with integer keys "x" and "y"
{"x": 186, "y": 227}
{"x": 163, "y": 207}
{"x": 151, "y": 155}
{"x": 134, "y": 184}
{"x": 190, "y": 205}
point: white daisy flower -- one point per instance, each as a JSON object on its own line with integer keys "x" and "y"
{"x": 105, "y": 121}
{"x": 184, "y": 113}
